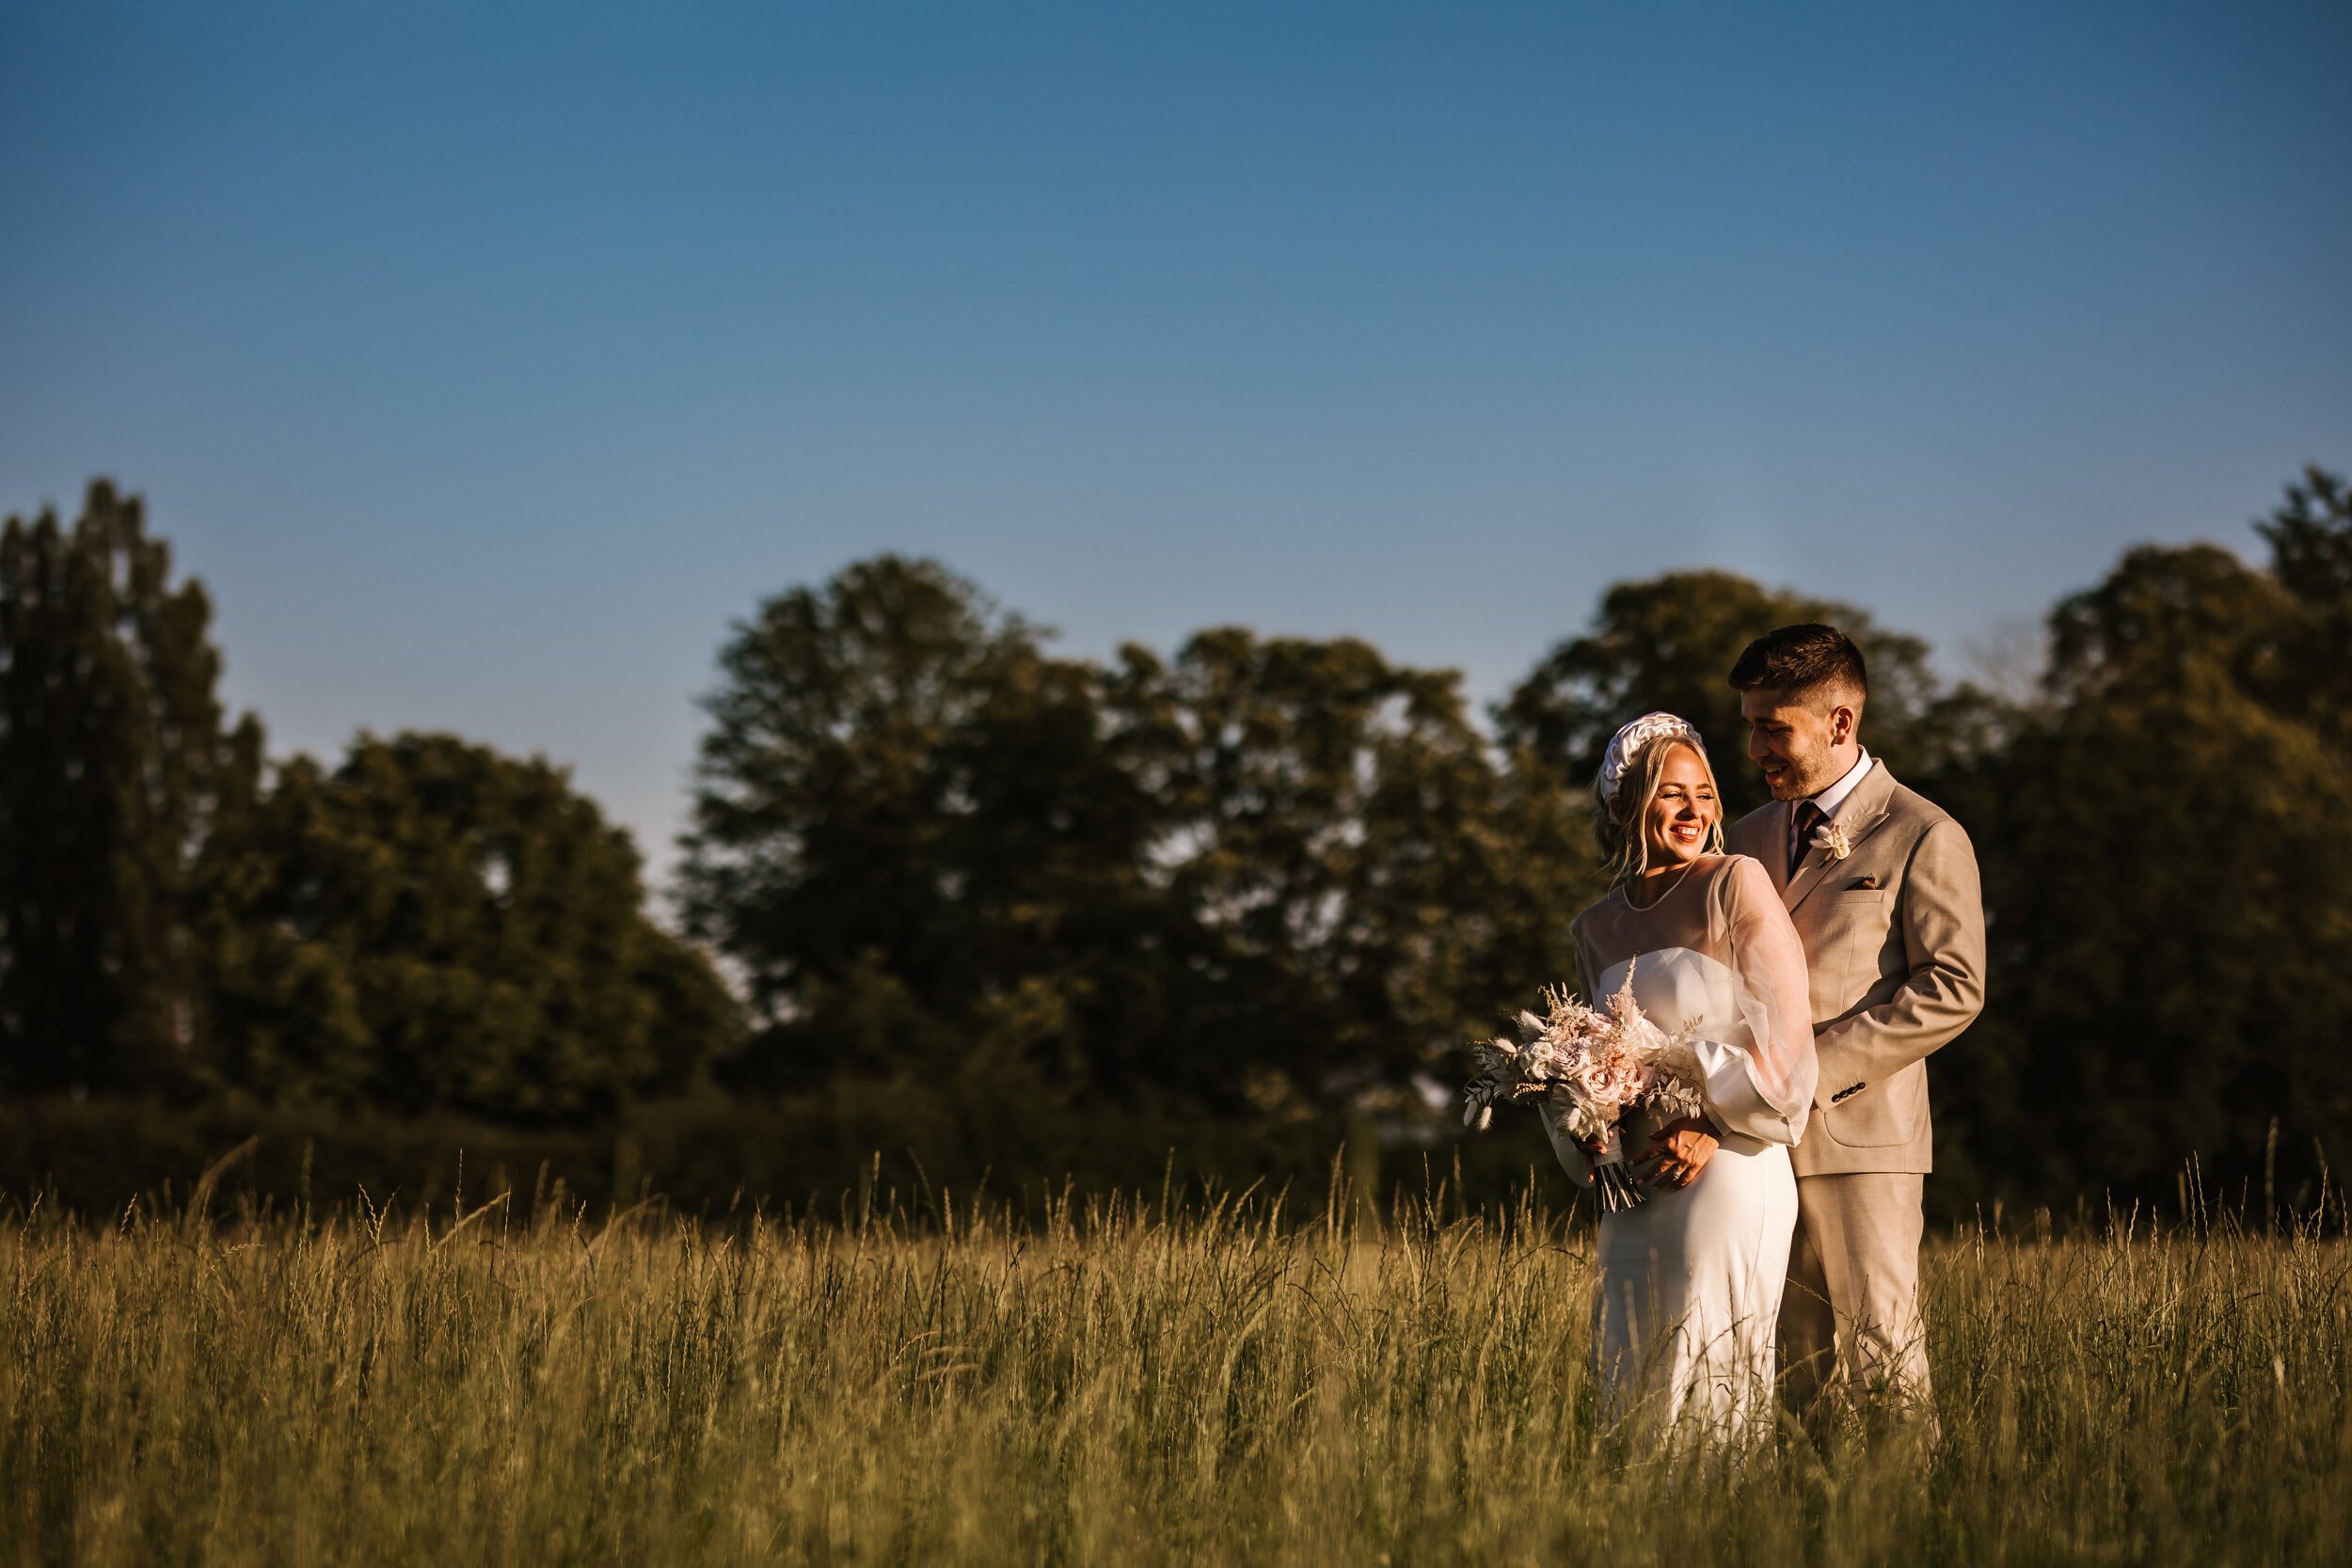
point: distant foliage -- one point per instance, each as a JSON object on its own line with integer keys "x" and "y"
{"x": 1331, "y": 838}
{"x": 912, "y": 838}
{"x": 1010, "y": 900}
{"x": 1262, "y": 871}
{"x": 433, "y": 925}
{"x": 1669, "y": 643}
{"x": 2169, "y": 875}
{"x": 430, "y": 926}
{"x": 113, "y": 765}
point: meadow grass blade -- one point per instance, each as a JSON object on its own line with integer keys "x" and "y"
{"x": 1114, "y": 1379}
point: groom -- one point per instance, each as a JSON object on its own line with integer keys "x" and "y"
{"x": 1883, "y": 889}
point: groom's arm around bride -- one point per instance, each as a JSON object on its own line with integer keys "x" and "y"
{"x": 1883, "y": 888}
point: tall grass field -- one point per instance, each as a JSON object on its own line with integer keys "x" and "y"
{"x": 1109, "y": 1382}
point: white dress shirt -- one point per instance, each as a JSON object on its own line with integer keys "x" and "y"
{"x": 1828, "y": 801}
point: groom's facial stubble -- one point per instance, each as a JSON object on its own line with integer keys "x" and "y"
{"x": 1803, "y": 744}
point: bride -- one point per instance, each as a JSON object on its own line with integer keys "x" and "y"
{"x": 1689, "y": 1281}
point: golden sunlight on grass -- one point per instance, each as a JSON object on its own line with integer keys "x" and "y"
{"x": 1104, "y": 1383}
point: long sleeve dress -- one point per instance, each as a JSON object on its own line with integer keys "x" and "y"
{"x": 1690, "y": 1282}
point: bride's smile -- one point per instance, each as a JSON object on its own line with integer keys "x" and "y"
{"x": 1682, "y": 814}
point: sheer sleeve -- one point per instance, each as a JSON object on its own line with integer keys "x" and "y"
{"x": 1772, "y": 1097}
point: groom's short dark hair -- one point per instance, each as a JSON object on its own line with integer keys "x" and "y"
{"x": 1800, "y": 662}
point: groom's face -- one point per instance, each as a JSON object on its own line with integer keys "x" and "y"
{"x": 1797, "y": 740}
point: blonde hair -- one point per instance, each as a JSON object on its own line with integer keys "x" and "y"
{"x": 1616, "y": 819}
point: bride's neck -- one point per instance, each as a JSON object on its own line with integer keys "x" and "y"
{"x": 1646, "y": 886}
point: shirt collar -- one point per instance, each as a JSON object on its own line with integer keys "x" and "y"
{"x": 1835, "y": 795}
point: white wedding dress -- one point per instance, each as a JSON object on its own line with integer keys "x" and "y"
{"x": 1688, "y": 1295}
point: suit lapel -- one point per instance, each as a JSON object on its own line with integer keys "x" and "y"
{"x": 1808, "y": 873}
{"x": 1859, "y": 814}
{"x": 1776, "y": 860}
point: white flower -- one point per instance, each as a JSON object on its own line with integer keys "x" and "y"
{"x": 1832, "y": 837}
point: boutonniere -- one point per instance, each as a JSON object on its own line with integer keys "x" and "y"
{"x": 1832, "y": 837}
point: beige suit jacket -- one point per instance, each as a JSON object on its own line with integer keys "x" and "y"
{"x": 1894, "y": 935}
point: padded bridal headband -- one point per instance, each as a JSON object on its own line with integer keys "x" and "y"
{"x": 1629, "y": 743}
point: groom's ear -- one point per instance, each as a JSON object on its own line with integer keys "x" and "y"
{"x": 1845, "y": 714}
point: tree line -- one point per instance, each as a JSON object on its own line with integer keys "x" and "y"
{"x": 1255, "y": 883}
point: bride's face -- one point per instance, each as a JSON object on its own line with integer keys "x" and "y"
{"x": 1682, "y": 811}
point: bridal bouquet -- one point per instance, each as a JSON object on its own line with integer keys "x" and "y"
{"x": 1593, "y": 1067}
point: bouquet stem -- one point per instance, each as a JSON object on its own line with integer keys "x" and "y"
{"x": 1613, "y": 1181}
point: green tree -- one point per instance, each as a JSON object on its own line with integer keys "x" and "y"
{"x": 2309, "y": 535}
{"x": 113, "y": 762}
{"x": 1336, "y": 831}
{"x": 434, "y": 924}
{"x": 2168, "y": 618}
{"x": 913, "y": 837}
{"x": 1263, "y": 872}
{"x": 2170, "y": 898}
{"x": 1670, "y": 643}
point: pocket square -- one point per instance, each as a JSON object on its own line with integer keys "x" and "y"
{"x": 1861, "y": 884}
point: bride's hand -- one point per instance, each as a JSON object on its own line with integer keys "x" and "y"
{"x": 1679, "y": 1150}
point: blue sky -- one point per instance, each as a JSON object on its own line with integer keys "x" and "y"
{"x": 488, "y": 361}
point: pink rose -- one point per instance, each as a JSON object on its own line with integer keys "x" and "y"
{"x": 1611, "y": 1079}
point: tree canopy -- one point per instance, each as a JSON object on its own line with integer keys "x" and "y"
{"x": 2170, "y": 884}
{"x": 113, "y": 762}
{"x": 435, "y": 925}
{"x": 428, "y": 926}
{"x": 1252, "y": 882}
{"x": 1243, "y": 874}
{"x": 1669, "y": 643}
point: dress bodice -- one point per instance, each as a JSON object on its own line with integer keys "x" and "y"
{"x": 1680, "y": 988}
{"x": 1714, "y": 958}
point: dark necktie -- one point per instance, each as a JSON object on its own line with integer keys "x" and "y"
{"x": 1809, "y": 816}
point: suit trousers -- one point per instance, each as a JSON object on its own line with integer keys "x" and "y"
{"x": 1851, "y": 1311}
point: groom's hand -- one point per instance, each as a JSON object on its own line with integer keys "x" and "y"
{"x": 1677, "y": 1152}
